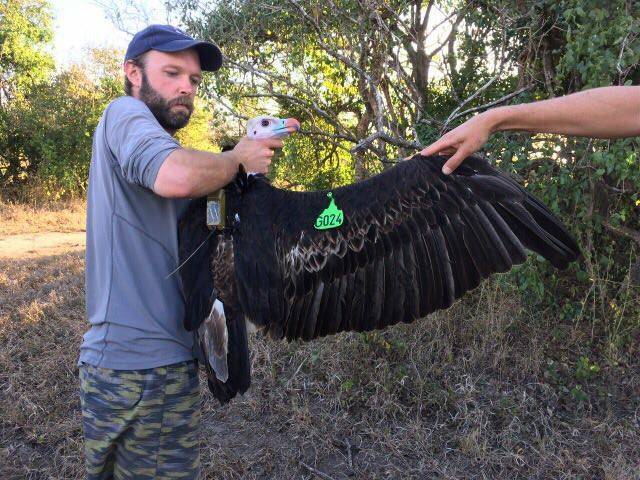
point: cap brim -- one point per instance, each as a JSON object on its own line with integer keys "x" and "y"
{"x": 209, "y": 53}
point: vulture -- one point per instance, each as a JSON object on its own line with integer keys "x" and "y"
{"x": 392, "y": 248}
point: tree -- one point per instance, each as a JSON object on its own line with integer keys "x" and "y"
{"x": 373, "y": 79}
{"x": 25, "y": 30}
{"x": 357, "y": 73}
{"x": 197, "y": 134}
{"x": 46, "y": 136}
{"x": 46, "y": 139}
{"x": 567, "y": 47}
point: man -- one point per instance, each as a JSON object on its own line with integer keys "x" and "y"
{"x": 138, "y": 377}
{"x": 608, "y": 112}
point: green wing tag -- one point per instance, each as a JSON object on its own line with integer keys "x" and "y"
{"x": 331, "y": 217}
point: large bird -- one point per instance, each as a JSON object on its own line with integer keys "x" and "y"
{"x": 392, "y": 248}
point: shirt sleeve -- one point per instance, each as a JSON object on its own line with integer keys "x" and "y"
{"x": 137, "y": 141}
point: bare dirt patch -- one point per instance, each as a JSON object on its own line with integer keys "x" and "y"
{"x": 31, "y": 245}
{"x": 32, "y": 231}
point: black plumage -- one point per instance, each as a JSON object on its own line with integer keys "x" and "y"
{"x": 412, "y": 241}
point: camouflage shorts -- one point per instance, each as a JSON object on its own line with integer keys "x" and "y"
{"x": 141, "y": 424}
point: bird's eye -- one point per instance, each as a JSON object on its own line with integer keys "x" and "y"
{"x": 264, "y": 123}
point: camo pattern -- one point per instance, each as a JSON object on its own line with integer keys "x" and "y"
{"x": 141, "y": 424}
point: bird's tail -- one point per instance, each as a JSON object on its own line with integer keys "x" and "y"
{"x": 238, "y": 361}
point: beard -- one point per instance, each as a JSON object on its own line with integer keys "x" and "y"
{"x": 162, "y": 108}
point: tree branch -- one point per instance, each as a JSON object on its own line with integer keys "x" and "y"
{"x": 367, "y": 143}
{"x": 492, "y": 103}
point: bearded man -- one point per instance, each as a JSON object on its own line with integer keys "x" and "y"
{"x": 138, "y": 374}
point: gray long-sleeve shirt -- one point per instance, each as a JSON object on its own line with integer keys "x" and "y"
{"x": 135, "y": 311}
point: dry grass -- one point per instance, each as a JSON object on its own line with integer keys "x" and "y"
{"x": 41, "y": 322}
{"x": 483, "y": 391}
{"x": 63, "y": 216}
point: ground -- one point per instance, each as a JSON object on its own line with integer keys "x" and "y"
{"x": 34, "y": 245}
{"x": 485, "y": 390}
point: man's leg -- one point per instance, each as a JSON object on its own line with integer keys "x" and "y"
{"x": 179, "y": 455}
{"x": 152, "y": 431}
{"x": 108, "y": 398}
{"x": 163, "y": 442}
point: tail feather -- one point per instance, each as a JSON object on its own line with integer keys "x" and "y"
{"x": 214, "y": 340}
{"x": 237, "y": 360}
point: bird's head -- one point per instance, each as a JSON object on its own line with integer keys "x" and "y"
{"x": 271, "y": 127}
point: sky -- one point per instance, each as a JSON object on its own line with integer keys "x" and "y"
{"x": 83, "y": 24}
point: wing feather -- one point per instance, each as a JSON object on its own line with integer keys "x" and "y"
{"x": 412, "y": 241}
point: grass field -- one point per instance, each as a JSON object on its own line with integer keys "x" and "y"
{"x": 488, "y": 389}
{"x": 18, "y": 218}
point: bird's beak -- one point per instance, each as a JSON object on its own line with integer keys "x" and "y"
{"x": 287, "y": 126}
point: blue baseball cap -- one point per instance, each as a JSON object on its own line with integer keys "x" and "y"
{"x": 166, "y": 38}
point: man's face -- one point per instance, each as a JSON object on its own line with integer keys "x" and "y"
{"x": 168, "y": 85}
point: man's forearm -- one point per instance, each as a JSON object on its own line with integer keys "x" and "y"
{"x": 608, "y": 112}
{"x": 188, "y": 173}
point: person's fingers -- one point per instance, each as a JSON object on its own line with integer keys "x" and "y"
{"x": 272, "y": 142}
{"x": 455, "y": 160}
{"x": 436, "y": 147}
{"x": 448, "y": 151}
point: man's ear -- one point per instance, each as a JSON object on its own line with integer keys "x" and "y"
{"x": 133, "y": 71}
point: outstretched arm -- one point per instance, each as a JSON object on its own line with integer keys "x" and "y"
{"x": 188, "y": 173}
{"x": 608, "y": 112}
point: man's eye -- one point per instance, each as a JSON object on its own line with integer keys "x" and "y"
{"x": 172, "y": 74}
{"x": 264, "y": 123}
{"x": 196, "y": 81}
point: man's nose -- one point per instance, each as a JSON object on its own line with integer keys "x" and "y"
{"x": 187, "y": 87}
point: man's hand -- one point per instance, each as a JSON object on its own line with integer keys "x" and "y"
{"x": 461, "y": 142}
{"x": 256, "y": 155}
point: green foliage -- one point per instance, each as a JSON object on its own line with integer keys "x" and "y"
{"x": 585, "y": 370}
{"x": 594, "y": 184}
{"x": 560, "y": 48}
{"x": 47, "y": 134}
{"x": 601, "y": 44}
{"x": 25, "y": 30}
{"x": 305, "y": 164}
{"x": 305, "y": 59}
{"x": 579, "y": 395}
{"x": 197, "y": 133}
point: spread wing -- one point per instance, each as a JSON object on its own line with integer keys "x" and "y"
{"x": 411, "y": 241}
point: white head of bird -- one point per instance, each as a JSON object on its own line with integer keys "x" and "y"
{"x": 265, "y": 126}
